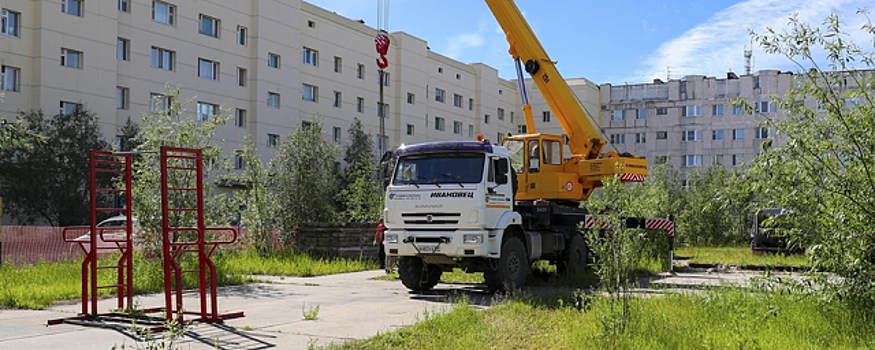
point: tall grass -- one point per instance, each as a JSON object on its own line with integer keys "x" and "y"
{"x": 726, "y": 320}
{"x": 288, "y": 263}
{"x": 740, "y": 256}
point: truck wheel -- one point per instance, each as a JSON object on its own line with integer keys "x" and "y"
{"x": 576, "y": 257}
{"x": 411, "y": 273}
{"x": 512, "y": 269}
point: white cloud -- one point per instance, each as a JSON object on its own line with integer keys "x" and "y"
{"x": 458, "y": 44}
{"x": 717, "y": 45}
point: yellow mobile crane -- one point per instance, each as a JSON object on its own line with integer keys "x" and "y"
{"x": 547, "y": 174}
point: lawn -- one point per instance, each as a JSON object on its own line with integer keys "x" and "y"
{"x": 740, "y": 256}
{"x": 38, "y": 286}
{"x": 715, "y": 320}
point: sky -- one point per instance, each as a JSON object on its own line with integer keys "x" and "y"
{"x": 618, "y": 41}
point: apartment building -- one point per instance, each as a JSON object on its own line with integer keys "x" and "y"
{"x": 689, "y": 122}
{"x": 272, "y": 65}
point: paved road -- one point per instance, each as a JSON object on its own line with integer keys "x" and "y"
{"x": 351, "y": 306}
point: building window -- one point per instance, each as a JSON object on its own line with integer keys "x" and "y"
{"x": 511, "y": 116}
{"x": 209, "y": 26}
{"x": 521, "y": 129}
{"x": 737, "y": 110}
{"x": 71, "y": 58}
{"x": 439, "y": 123}
{"x": 642, "y": 113}
{"x": 311, "y": 24}
{"x": 306, "y": 124}
{"x": 273, "y": 60}
{"x": 240, "y": 118}
{"x": 458, "y": 77}
{"x": 470, "y": 130}
{"x": 660, "y": 160}
{"x": 717, "y": 159}
{"x": 338, "y": 99}
{"x": 70, "y": 107}
{"x": 457, "y": 100}
{"x": 618, "y": 139}
{"x": 545, "y": 116}
{"x": 640, "y": 137}
{"x": 273, "y": 99}
{"x": 360, "y": 71}
{"x": 163, "y": 12}
{"x": 500, "y": 91}
{"x": 386, "y": 78}
{"x": 10, "y": 79}
{"x": 207, "y": 69}
{"x": 72, "y": 7}
{"x": 242, "y": 35}
{"x": 238, "y": 162}
{"x": 205, "y": 111}
{"x": 360, "y": 104}
{"x": 160, "y": 103}
{"x": 693, "y": 160}
{"x": 617, "y": 115}
{"x": 457, "y": 128}
{"x": 439, "y": 95}
{"x": 470, "y": 104}
{"x": 11, "y": 22}
{"x": 763, "y": 132}
{"x": 338, "y": 64}
{"x": 273, "y": 140}
{"x": 717, "y": 135}
{"x": 311, "y": 93}
{"x": 411, "y": 98}
{"x": 662, "y": 111}
{"x": 124, "y": 5}
{"x": 662, "y": 135}
{"x": 486, "y": 118}
{"x": 241, "y": 76}
{"x": 440, "y": 70}
{"x": 717, "y": 110}
{"x": 162, "y": 58}
{"x": 736, "y": 159}
{"x": 692, "y": 135}
{"x": 122, "y": 97}
{"x": 501, "y": 114}
{"x": 410, "y": 129}
{"x": 738, "y": 134}
{"x": 692, "y": 111}
{"x": 382, "y": 109}
{"x": 310, "y": 57}
{"x": 123, "y": 48}
{"x": 767, "y": 107}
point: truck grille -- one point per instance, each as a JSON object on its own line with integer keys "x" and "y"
{"x": 431, "y": 218}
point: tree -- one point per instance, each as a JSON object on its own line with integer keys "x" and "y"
{"x": 16, "y": 134}
{"x": 172, "y": 126}
{"x": 258, "y": 203}
{"x": 825, "y": 170}
{"x": 305, "y": 179}
{"x": 129, "y": 136}
{"x": 716, "y": 208}
{"x": 49, "y": 180}
{"x": 361, "y": 196}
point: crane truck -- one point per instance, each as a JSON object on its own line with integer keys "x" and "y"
{"x": 498, "y": 207}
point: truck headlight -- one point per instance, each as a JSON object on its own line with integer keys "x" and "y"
{"x": 472, "y": 239}
{"x": 392, "y": 238}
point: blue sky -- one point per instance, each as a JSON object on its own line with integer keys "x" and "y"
{"x": 619, "y": 41}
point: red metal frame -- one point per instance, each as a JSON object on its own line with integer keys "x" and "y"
{"x": 121, "y": 163}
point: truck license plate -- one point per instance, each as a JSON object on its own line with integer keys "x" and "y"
{"x": 429, "y": 249}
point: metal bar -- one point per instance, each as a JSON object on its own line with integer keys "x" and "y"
{"x": 113, "y": 171}
{"x": 165, "y": 246}
{"x": 180, "y": 168}
{"x": 111, "y": 190}
{"x": 129, "y": 197}
{"x": 182, "y": 189}
{"x": 202, "y": 259}
{"x": 93, "y": 253}
{"x": 184, "y": 210}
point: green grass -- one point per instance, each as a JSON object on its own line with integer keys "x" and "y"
{"x": 715, "y": 320}
{"x": 38, "y": 286}
{"x": 740, "y": 256}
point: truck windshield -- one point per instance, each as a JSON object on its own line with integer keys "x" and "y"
{"x": 459, "y": 168}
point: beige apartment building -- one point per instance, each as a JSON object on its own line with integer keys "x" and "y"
{"x": 274, "y": 65}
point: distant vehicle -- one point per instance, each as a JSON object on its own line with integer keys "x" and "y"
{"x": 112, "y": 235}
{"x": 771, "y": 237}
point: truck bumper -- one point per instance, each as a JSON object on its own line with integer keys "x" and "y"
{"x": 449, "y": 243}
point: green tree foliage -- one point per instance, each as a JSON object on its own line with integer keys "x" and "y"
{"x": 716, "y": 207}
{"x": 258, "y": 203}
{"x": 305, "y": 179}
{"x": 129, "y": 136}
{"x": 174, "y": 127}
{"x": 49, "y": 180}
{"x": 361, "y": 196}
{"x": 15, "y": 133}
{"x": 825, "y": 170}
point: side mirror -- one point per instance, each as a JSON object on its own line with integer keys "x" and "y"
{"x": 501, "y": 169}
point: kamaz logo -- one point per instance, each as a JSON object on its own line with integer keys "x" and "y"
{"x": 452, "y": 195}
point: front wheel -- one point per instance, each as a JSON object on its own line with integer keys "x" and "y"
{"x": 576, "y": 257}
{"x": 416, "y": 275}
{"x": 512, "y": 269}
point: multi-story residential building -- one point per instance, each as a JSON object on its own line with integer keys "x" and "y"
{"x": 690, "y": 122}
{"x": 273, "y": 65}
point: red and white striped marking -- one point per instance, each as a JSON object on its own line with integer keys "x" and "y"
{"x": 632, "y": 178}
{"x": 590, "y": 222}
{"x": 660, "y": 224}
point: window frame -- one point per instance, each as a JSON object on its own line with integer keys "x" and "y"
{"x": 274, "y": 60}
{"x": 242, "y": 35}
{"x": 313, "y": 92}
{"x": 171, "y": 12}
{"x": 411, "y": 129}
{"x": 217, "y": 26}
{"x": 123, "y": 49}
{"x": 161, "y": 52}
{"x": 15, "y": 24}
{"x": 360, "y": 104}
{"x": 65, "y": 59}
{"x": 338, "y": 99}
{"x": 206, "y": 105}
{"x": 278, "y": 99}
{"x": 240, "y": 117}
{"x": 125, "y": 94}
{"x": 65, "y": 7}
{"x": 242, "y": 76}
{"x": 439, "y": 123}
{"x": 310, "y": 56}
{"x": 4, "y": 74}
{"x": 213, "y": 69}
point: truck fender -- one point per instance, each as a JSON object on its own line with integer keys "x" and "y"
{"x": 496, "y": 236}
